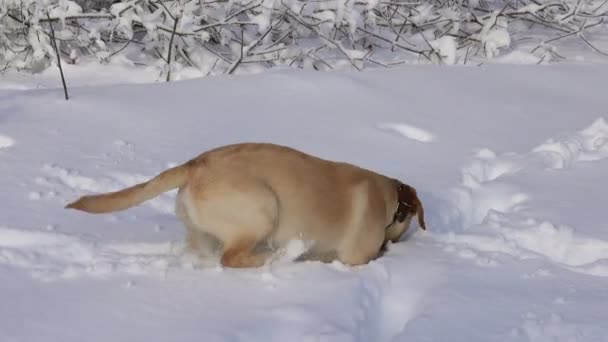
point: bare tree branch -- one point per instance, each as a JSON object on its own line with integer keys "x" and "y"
{"x": 175, "y": 21}
{"x": 54, "y": 44}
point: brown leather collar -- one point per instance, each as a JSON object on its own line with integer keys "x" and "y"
{"x": 402, "y": 205}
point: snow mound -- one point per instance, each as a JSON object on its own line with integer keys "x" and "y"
{"x": 490, "y": 211}
{"x": 446, "y": 47}
{"x": 483, "y": 188}
{"x": 526, "y": 238}
{"x": 553, "y": 327}
{"x": 408, "y": 131}
{"x": 589, "y": 144}
{"x": 518, "y": 57}
{"x": 6, "y": 141}
{"x": 48, "y": 255}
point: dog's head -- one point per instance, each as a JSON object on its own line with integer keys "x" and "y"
{"x": 409, "y": 205}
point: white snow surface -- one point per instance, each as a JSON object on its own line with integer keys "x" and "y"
{"x": 6, "y": 141}
{"x": 512, "y": 175}
{"x": 408, "y": 131}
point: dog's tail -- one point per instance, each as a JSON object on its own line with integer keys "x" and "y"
{"x": 129, "y": 197}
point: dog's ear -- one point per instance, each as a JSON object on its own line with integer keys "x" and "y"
{"x": 417, "y": 209}
{"x": 420, "y": 213}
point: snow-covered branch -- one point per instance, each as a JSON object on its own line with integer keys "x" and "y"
{"x": 220, "y": 36}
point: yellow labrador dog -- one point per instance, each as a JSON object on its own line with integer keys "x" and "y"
{"x": 251, "y": 194}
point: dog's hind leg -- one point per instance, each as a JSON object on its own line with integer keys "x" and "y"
{"x": 240, "y": 254}
{"x": 197, "y": 241}
{"x": 239, "y": 249}
{"x": 242, "y": 216}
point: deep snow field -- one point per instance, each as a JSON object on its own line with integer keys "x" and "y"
{"x": 510, "y": 161}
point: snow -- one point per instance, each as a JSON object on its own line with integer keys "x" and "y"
{"x": 6, "y": 141}
{"x": 509, "y": 161}
{"x": 588, "y": 145}
{"x": 518, "y": 57}
{"x": 446, "y": 48}
{"x": 408, "y": 131}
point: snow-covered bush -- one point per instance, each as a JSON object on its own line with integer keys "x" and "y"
{"x": 222, "y": 36}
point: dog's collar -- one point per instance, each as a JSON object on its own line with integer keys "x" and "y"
{"x": 402, "y": 206}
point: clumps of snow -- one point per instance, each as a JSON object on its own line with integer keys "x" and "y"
{"x": 472, "y": 205}
{"x": 446, "y": 47}
{"x": 482, "y": 188}
{"x": 63, "y": 9}
{"x": 589, "y": 144}
{"x": 496, "y": 39}
{"x": 6, "y": 141}
{"x": 486, "y": 166}
{"x": 295, "y": 248}
{"x": 408, "y": 131}
{"x": 291, "y": 251}
{"x": 598, "y": 268}
{"x": 489, "y": 208}
{"x": 553, "y": 327}
{"x": 72, "y": 178}
{"x": 494, "y": 34}
{"x": 525, "y": 238}
{"x": 264, "y": 18}
{"x": 422, "y": 14}
{"x": 520, "y": 57}
{"x": 530, "y": 8}
{"x": 34, "y": 195}
{"x": 48, "y": 255}
{"x": 557, "y": 242}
